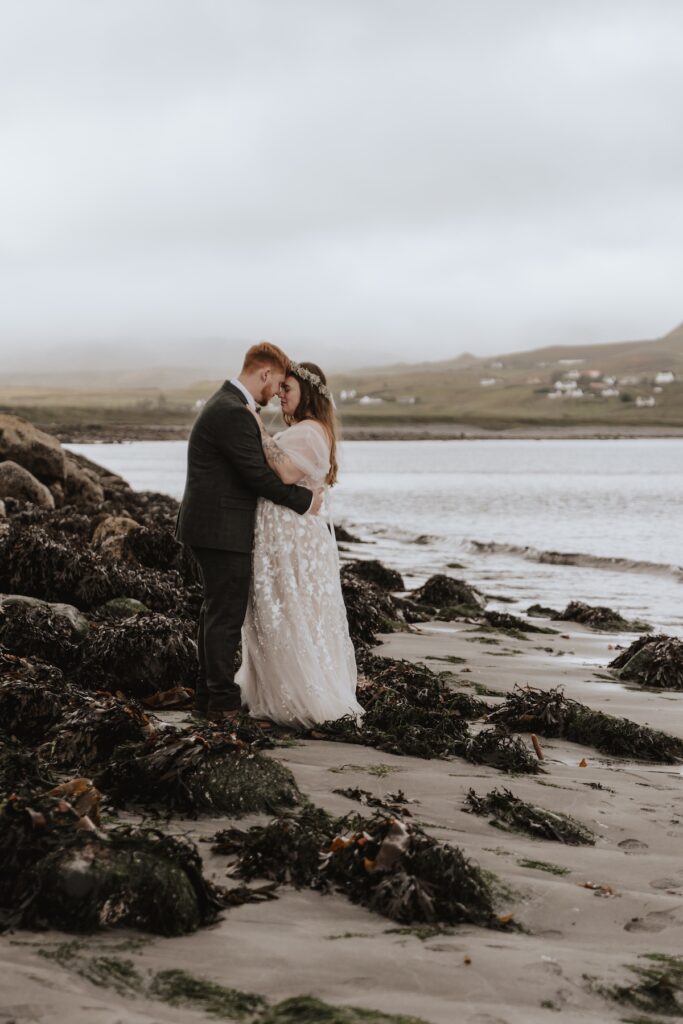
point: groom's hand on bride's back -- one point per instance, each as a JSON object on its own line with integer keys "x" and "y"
{"x": 316, "y": 504}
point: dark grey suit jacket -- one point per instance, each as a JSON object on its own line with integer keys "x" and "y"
{"x": 226, "y": 472}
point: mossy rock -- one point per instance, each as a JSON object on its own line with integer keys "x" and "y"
{"x": 190, "y": 775}
{"x": 122, "y": 608}
{"x": 58, "y": 873}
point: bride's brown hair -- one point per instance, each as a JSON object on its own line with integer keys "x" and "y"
{"x": 313, "y": 405}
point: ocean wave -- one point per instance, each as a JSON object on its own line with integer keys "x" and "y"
{"x": 532, "y": 554}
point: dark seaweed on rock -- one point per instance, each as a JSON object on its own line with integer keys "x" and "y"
{"x": 58, "y": 873}
{"x": 505, "y": 621}
{"x": 380, "y": 862}
{"x": 498, "y": 749}
{"x": 36, "y": 564}
{"x": 22, "y": 771}
{"x": 655, "y": 661}
{"x": 599, "y": 617}
{"x": 191, "y": 773}
{"x": 444, "y": 592}
{"x": 91, "y": 731}
{"x": 550, "y": 713}
{"x": 509, "y": 812}
{"x": 375, "y": 572}
{"x": 368, "y": 609}
{"x": 140, "y": 655}
{"x": 408, "y": 710}
{"x": 28, "y": 709}
{"x": 37, "y": 631}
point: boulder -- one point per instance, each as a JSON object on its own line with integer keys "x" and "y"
{"x": 110, "y": 536}
{"x": 82, "y": 485}
{"x": 3, "y": 510}
{"x": 39, "y": 453}
{"x": 66, "y": 613}
{"x": 17, "y": 482}
{"x": 375, "y": 572}
{"x": 122, "y": 608}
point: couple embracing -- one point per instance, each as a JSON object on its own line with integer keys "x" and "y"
{"x": 251, "y": 513}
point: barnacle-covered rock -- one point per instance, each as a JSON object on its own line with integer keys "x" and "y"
{"x": 17, "y": 482}
{"x": 39, "y": 453}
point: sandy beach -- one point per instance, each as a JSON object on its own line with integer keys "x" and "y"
{"x": 585, "y": 912}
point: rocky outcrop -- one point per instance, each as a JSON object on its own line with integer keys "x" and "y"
{"x": 110, "y": 536}
{"x": 37, "y": 452}
{"x": 17, "y": 482}
{"x": 82, "y": 485}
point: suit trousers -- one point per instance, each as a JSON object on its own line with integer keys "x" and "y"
{"x": 226, "y": 576}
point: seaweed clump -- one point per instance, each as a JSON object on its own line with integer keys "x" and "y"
{"x": 375, "y": 572}
{"x": 29, "y": 708}
{"x": 369, "y": 609}
{"x": 550, "y": 713}
{"x": 655, "y": 661}
{"x": 140, "y": 656}
{"x": 36, "y": 629}
{"x": 92, "y": 730}
{"x": 191, "y": 773}
{"x": 447, "y": 598}
{"x": 381, "y": 862}
{"x": 599, "y": 617}
{"x": 60, "y": 871}
{"x": 498, "y": 749}
{"x": 408, "y": 710}
{"x": 659, "y": 988}
{"x": 509, "y": 812}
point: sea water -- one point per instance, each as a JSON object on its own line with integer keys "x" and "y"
{"x": 530, "y": 521}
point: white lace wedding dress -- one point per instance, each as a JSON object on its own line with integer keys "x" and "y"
{"x": 298, "y": 662}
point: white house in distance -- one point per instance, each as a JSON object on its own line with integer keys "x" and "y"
{"x": 645, "y": 403}
{"x": 665, "y": 377}
{"x": 370, "y": 400}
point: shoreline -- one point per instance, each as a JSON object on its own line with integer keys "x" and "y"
{"x": 584, "y": 913}
{"x": 126, "y": 434}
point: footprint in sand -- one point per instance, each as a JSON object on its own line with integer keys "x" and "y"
{"x": 633, "y": 846}
{"x": 666, "y": 883}
{"x": 657, "y": 921}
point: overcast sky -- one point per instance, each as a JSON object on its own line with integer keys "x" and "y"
{"x": 356, "y": 180}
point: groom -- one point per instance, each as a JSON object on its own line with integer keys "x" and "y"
{"x": 226, "y": 473}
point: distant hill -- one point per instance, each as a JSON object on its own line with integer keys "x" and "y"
{"x": 627, "y": 382}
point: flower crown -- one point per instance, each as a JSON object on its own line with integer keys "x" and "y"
{"x": 311, "y": 378}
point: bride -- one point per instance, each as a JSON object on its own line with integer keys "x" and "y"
{"x": 298, "y": 662}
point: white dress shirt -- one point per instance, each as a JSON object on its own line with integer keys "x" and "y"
{"x": 251, "y": 401}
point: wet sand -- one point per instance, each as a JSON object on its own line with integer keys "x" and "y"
{"x": 308, "y": 943}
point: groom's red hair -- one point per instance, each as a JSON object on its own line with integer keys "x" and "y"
{"x": 265, "y": 354}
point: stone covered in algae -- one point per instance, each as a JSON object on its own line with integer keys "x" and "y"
{"x": 197, "y": 773}
{"x": 60, "y": 871}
